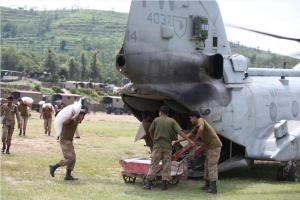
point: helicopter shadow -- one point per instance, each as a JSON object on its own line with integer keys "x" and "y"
{"x": 259, "y": 171}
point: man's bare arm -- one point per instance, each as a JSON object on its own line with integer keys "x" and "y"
{"x": 182, "y": 134}
{"x": 199, "y": 133}
{"x": 152, "y": 135}
{"x": 183, "y": 139}
{"x": 18, "y": 117}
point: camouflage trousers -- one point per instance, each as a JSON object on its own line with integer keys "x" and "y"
{"x": 211, "y": 164}
{"x": 7, "y": 132}
{"x": 47, "y": 125}
{"x": 157, "y": 156}
{"x": 190, "y": 157}
{"x": 68, "y": 153}
{"x": 23, "y": 123}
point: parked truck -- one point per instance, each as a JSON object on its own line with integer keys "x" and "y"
{"x": 114, "y": 104}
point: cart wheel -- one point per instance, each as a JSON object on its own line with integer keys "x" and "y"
{"x": 144, "y": 179}
{"x": 129, "y": 179}
{"x": 175, "y": 180}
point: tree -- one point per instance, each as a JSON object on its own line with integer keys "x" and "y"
{"x": 83, "y": 63}
{"x": 73, "y": 69}
{"x": 9, "y": 58}
{"x": 95, "y": 68}
{"x": 50, "y": 65}
{"x": 9, "y": 30}
{"x": 63, "y": 72}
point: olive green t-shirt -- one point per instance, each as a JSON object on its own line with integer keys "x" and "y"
{"x": 68, "y": 130}
{"x": 209, "y": 135}
{"x": 165, "y": 129}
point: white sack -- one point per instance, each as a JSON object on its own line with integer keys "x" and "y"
{"x": 27, "y": 100}
{"x": 65, "y": 114}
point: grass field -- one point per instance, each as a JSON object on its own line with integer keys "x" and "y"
{"x": 105, "y": 139}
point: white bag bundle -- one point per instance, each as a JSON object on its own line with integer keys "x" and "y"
{"x": 140, "y": 133}
{"x": 41, "y": 103}
{"x": 48, "y": 105}
{"x": 27, "y": 100}
{"x": 65, "y": 114}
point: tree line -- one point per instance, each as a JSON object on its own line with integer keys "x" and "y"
{"x": 53, "y": 67}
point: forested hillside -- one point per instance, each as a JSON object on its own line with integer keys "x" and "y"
{"x": 79, "y": 44}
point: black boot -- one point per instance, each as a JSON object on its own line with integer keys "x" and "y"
{"x": 212, "y": 187}
{"x": 52, "y": 169}
{"x": 3, "y": 148}
{"x": 69, "y": 177}
{"x": 23, "y": 133}
{"x": 206, "y": 186}
{"x": 147, "y": 185}
{"x": 7, "y": 149}
{"x": 165, "y": 185}
{"x": 20, "y": 133}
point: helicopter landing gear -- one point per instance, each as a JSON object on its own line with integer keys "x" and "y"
{"x": 288, "y": 172}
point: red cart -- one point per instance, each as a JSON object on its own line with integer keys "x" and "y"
{"x": 138, "y": 167}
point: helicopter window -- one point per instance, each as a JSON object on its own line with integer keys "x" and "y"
{"x": 215, "y": 41}
{"x": 200, "y": 28}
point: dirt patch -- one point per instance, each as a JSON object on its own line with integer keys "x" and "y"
{"x": 111, "y": 117}
{"x": 36, "y": 145}
{"x": 8, "y": 162}
{"x": 13, "y": 181}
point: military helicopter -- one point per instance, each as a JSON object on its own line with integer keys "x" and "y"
{"x": 176, "y": 53}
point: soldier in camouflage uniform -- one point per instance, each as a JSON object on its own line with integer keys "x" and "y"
{"x": 8, "y": 112}
{"x": 212, "y": 146}
{"x": 24, "y": 115}
{"x": 66, "y": 144}
{"x": 46, "y": 113}
{"x": 162, "y": 130}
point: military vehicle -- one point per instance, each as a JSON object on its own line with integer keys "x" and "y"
{"x": 114, "y": 104}
{"x": 176, "y": 53}
{"x": 36, "y": 96}
{"x": 67, "y": 99}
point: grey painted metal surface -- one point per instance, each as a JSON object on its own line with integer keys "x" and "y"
{"x": 170, "y": 61}
{"x": 274, "y": 72}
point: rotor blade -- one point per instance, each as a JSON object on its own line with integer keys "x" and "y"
{"x": 263, "y": 33}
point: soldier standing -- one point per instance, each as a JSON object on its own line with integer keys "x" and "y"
{"x": 212, "y": 146}
{"x": 46, "y": 113}
{"x": 8, "y": 112}
{"x": 24, "y": 114}
{"x": 66, "y": 144}
{"x": 163, "y": 130}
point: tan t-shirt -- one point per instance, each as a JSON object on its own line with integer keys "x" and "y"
{"x": 209, "y": 137}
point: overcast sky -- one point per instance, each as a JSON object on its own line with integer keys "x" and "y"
{"x": 274, "y": 16}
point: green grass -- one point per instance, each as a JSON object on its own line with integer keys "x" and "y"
{"x": 104, "y": 141}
